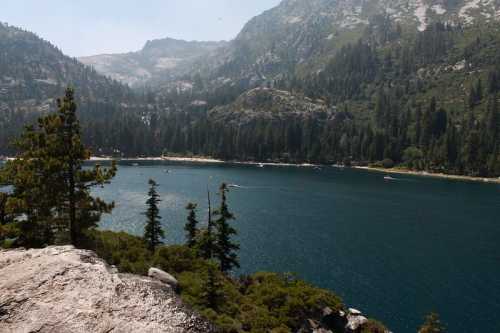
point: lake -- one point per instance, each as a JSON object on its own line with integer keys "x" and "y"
{"x": 396, "y": 250}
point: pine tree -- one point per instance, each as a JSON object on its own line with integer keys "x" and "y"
{"x": 50, "y": 187}
{"x": 191, "y": 225}
{"x": 432, "y": 324}
{"x": 207, "y": 240}
{"x": 153, "y": 232}
{"x": 3, "y": 208}
{"x": 5, "y": 217}
{"x": 225, "y": 253}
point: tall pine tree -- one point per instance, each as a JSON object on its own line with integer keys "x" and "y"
{"x": 226, "y": 248}
{"x": 153, "y": 232}
{"x": 191, "y": 225}
{"x": 50, "y": 188}
{"x": 207, "y": 245}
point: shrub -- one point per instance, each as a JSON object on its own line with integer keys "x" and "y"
{"x": 387, "y": 163}
{"x": 373, "y": 326}
{"x": 128, "y": 253}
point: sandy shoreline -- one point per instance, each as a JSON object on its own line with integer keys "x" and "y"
{"x": 201, "y": 160}
{"x": 429, "y": 174}
{"x": 208, "y": 160}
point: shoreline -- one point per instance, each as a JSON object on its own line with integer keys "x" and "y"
{"x": 209, "y": 160}
{"x": 399, "y": 171}
{"x": 205, "y": 160}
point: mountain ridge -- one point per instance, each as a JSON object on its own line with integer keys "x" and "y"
{"x": 166, "y": 56}
{"x": 297, "y": 34}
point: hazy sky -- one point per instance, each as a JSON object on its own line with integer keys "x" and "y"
{"x": 88, "y": 27}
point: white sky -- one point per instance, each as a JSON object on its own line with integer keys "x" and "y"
{"x": 88, "y": 27}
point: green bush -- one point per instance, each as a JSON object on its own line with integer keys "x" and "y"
{"x": 176, "y": 259}
{"x": 387, "y": 163}
{"x": 128, "y": 253}
{"x": 373, "y": 326}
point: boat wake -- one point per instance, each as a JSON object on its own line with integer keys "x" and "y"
{"x": 235, "y": 186}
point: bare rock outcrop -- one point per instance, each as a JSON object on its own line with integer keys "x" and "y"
{"x": 158, "y": 274}
{"x": 62, "y": 289}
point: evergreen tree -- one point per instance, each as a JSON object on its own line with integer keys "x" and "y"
{"x": 3, "y": 208}
{"x": 432, "y": 324}
{"x": 153, "y": 232}
{"x": 207, "y": 245}
{"x": 5, "y": 217}
{"x": 226, "y": 248}
{"x": 191, "y": 225}
{"x": 50, "y": 187}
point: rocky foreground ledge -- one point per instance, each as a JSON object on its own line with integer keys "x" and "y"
{"x": 62, "y": 289}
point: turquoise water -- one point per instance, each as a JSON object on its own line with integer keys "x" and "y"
{"x": 394, "y": 249}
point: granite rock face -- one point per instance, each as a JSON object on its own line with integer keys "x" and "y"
{"x": 62, "y": 289}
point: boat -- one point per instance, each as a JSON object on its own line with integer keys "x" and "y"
{"x": 135, "y": 164}
{"x": 389, "y": 178}
{"x": 260, "y": 165}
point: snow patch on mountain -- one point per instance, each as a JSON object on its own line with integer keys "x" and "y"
{"x": 294, "y": 19}
{"x": 465, "y": 10}
{"x": 421, "y": 14}
{"x": 438, "y": 9}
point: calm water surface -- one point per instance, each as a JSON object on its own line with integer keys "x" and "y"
{"x": 396, "y": 250}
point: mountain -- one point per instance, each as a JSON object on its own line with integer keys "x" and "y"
{"x": 33, "y": 69}
{"x": 299, "y": 37}
{"x": 425, "y": 97}
{"x": 296, "y": 37}
{"x": 34, "y": 73}
{"x": 160, "y": 58}
{"x": 401, "y": 83}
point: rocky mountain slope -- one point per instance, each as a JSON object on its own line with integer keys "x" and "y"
{"x": 61, "y": 289}
{"x": 297, "y": 36}
{"x": 271, "y": 105}
{"x": 300, "y": 35}
{"x": 161, "y": 58}
{"x": 34, "y": 73}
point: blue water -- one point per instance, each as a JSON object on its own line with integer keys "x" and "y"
{"x": 397, "y": 250}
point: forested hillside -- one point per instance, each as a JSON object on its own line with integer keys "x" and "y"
{"x": 415, "y": 86}
{"x": 33, "y": 73}
{"x": 428, "y": 100}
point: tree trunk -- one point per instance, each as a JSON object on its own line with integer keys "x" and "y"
{"x": 72, "y": 204}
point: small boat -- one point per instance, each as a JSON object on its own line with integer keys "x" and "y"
{"x": 135, "y": 164}
{"x": 234, "y": 186}
{"x": 389, "y": 178}
{"x": 260, "y": 165}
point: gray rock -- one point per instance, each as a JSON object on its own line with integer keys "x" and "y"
{"x": 164, "y": 277}
{"x": 355, "y": 322}
{"x": 354, "y": 312}
{"x": 62, "y": 289}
